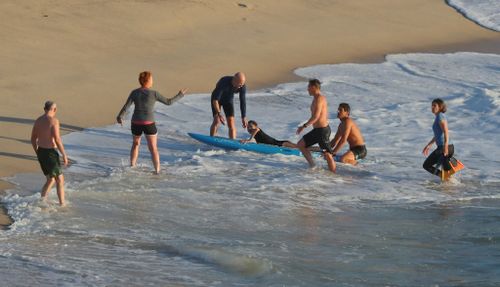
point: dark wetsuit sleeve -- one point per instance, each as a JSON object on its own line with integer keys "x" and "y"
{"x": 162, "y": 99}
{"x": 128, "y": 103}
{"x": 218, "y": 91}
{"x": 243, "y": 102}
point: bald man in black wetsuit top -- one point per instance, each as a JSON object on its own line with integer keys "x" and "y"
{"x": 222, "y": 98}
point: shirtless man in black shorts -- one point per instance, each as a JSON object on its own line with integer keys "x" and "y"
{"x": 321, "y": 130}
{"x": 46, "y": 140}
{"x": 349, "y": 132}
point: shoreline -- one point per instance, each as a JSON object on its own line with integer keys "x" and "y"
{"x": 464, "y": 14}
{"x": 482, "y": 46}
{"x": 97, "y": 60}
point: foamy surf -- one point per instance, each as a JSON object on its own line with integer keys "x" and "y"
{"x": 216, "y": 218}
{"x": 484, "y": 12}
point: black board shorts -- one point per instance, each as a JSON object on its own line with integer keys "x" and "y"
{"x": 49, "y": 161}
{"x": 148, "y": 130}
{"x": 359, "y": 151}
{"x": 320, "y": 136}
{"x": 227, "y": 107}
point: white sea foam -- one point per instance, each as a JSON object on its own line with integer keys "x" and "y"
{"x": 390, "y": 101}
{"x": 484, "y": 12}
{"x": 250, "y": 215}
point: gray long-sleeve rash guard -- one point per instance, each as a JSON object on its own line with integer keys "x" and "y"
{"x": 144, "y": 101}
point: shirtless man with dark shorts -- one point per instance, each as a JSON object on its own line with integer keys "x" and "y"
{"x": 321, "y": 130}
{"x": 45, "y": 138}
{"x": 349, "y": 132}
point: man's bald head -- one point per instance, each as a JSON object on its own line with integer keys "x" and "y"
{"x": 239, "y": 80}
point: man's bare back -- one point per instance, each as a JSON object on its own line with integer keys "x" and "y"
{"x": 44, "y": 129}
{"x": 354, "y": 137}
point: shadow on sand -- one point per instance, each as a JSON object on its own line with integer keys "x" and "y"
{"x": 64, "y": 127}
{"x": 30, "y": 122}
{"x": 16, "y": 139}
{"x": 18, "y": 156}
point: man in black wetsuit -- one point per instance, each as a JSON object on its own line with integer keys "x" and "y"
{"x": 222, "y": 98}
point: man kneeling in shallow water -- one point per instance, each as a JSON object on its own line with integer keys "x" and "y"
{"x": 261, "y": 137}
{"x": 349, "y": 132}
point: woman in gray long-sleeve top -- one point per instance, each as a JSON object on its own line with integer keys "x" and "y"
{"x": 144, "y": 99}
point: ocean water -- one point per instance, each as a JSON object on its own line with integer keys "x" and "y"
{"x": 233, "y": 218}
{"x": 484, "y": 12}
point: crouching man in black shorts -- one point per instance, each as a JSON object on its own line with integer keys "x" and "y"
{"x": 349, "y": 132}
{"x": 321, "y": 132}
{"x": 222, "y": 98}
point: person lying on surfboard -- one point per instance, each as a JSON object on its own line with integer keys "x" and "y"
{"x": 261, "y": 137}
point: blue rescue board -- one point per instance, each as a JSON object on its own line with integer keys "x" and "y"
{"x": 231, "y": 144}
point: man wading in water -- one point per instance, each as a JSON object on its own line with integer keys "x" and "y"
{"x": 45, "y": 138}
{"x": 321, "y": 130}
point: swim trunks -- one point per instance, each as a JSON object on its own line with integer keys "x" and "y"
{"x": 319, "y": 136}
{"x": 148, "y": 130}
{"x": 359, "y": 151}
{"x": 227, "y": 107}
{"x": 49, "y": 161}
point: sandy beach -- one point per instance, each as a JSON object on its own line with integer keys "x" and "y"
{"x": 86, "y": 55}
